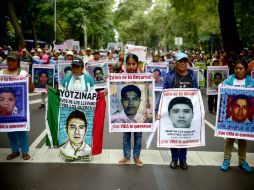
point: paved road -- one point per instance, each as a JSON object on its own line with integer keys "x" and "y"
{"x": 46, "y": 170}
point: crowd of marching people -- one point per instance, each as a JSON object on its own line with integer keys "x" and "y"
{"x": 179, "y": 76}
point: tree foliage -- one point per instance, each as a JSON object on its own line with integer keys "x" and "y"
{"x": 163, "y": 20}
{"x": 37, "y": 22}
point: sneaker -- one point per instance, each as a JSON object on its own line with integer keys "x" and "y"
{"x": 225, "y": 165}
{"x": 245, "y": 167}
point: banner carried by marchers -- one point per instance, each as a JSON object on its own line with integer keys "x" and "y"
{"x": 111, "y": 64}
{"x": 196, "y": 72}
{"x": 235, "y": 110}
{"x": 76, "y": 124}
{"x": 202, "y": 67}
{"x": 64, "y": 68}
{"x": 14, "y": 104}
{"x": 182, "y": 119}
{"x": 99, "y": 72}
{"x": 43, "y": 75}
{"x": 215, "y": 76}
{"x": 160, "y": 70}
{"x": 131, "y": 103}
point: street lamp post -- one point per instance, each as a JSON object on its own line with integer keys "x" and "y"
{"x": 84, "y": 26}
{"x": 212, "y": 45}
{"x": 54, "y": 22}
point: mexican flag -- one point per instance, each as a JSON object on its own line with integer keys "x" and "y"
{"x": 53, "y": 120}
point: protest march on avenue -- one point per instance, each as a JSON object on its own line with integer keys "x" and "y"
{"x": 127, "y": 94}
{"x": 143, "y": 95}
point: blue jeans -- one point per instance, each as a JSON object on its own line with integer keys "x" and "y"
{"x": 127, "y": 144}
{"x": 179, "y": 153}
{"x": 19, "y": 140}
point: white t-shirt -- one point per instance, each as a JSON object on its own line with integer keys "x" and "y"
{"x": 22, "y": 72}
{"x": 239, "y": 83}
{"x": 77, "y": 83}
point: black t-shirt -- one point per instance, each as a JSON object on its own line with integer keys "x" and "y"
{"x": 182, "y": 81}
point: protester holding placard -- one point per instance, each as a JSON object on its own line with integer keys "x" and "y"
{"x": 118, "y": 67}
{"x": 238, "y": 79}
{"x": 131, "y": 100}
{"x": 181, "y": 77}
{"x": 78, "y": 80}
{"x": 18, "y": 139}
{"x": 217, "y": 78}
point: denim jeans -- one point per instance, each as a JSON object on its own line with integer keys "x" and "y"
{"x": 178, "y": 153}
{"x": 127, "y": 144}
{"x": 19, "y": 140}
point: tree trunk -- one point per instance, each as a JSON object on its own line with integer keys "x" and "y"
{"x": 15, "y": 24}
{"x": 34, "y": 33}
{"x": 229, "y": 32}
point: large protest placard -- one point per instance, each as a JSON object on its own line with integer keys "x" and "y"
{"x": 139, "y": 51}
{"x": 160, "y": 70}
{"x": 76, "y": 46}
{"x": 14, "y": 104}
{"x": 215, "y": 76}
{"x": 69, "y": 44}
{"x": 196, "y": 72}
{"x": 111, "y": 46}
{"x": 131, "y": 103}
{"x": 25, "y": 66}
{"x": 62, "y": 47}
{"x": 182, "y": 119}
{"x": 43, "y": 75}
{"x": 202, "y": 67}
{"x": 64, "y": 68}
{"x": 111, "y": 65}
{"x": 76, "y": 124}
{"x": 235, "y": 110}
{"x": 99, "y": 72}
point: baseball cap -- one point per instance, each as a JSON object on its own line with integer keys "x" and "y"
{"x": 13, "y": 55}
{"x": 214, "y": 59}
{"x": 69, "y": 53}
{"x": 39, "y": 50}
{"x": 77, "y": 61}
{"x": 180, "y": 56}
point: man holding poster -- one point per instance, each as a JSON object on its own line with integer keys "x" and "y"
{"x": 181, "y": 77}
{"x": 239, "y": 107}
{"x": 78, "y": 80}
